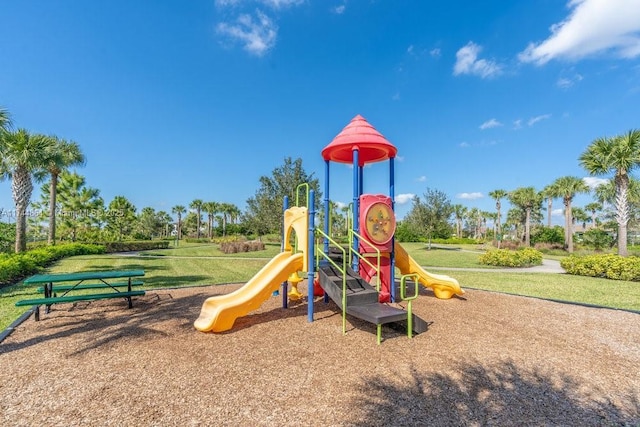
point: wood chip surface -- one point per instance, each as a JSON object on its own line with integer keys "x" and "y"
{"x": 486, "y": 360}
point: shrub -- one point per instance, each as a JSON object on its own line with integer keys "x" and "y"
{"x": 597, "y": 239}
{"x": 507, "y": 258}
{"x": 16, "y": 267}
{"x": 607, "y": 266}
{"x": 552, "y": 235}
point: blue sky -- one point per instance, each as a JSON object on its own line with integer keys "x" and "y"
{"x": 173, "y": 101}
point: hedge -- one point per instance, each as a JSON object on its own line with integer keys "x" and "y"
{"x": 15, "y": 267}
{"x": 527, "y": 257}
{"x": 607, "y": 266}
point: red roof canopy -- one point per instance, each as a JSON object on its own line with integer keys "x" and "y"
{"x": 359, "y": 135}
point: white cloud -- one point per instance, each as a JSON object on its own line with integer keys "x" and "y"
{"x": 224, "y": 3}
{"x": 593, "y": 182}
{"x": 277, "y": 4}
{"x": 532, "y": 121}
{"x": 593, "y": 27}
{"x": 341, "y": 205}
{"x": 465, "y": 144}
{"x": 567, "y": 82}
{"x": 421, "y": 178}
{"x": 401, "y": 199}
{"x": 557, "y": 212}
{"x": 470, "y": 196}
{"x": 490, "y": 124}
{"x": 339, "y": 10}
{"x": 467, "y": 62}
{"x": 517, "y": 124}
{"x": 257, "y": 36}
{"x": 435, "y": 52}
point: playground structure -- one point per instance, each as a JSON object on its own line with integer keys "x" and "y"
{"x": 346, "y": 275}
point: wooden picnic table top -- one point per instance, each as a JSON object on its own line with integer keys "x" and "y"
{"x": 85, "y": 275}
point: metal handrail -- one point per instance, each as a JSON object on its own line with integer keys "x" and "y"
{"x": 352, "y": 252}
{"x": 403, "y": 295}
{"x": 306, "y": 185}
{"x": 343, "y": 270}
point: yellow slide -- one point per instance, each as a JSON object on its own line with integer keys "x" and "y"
{"x": 444, "y": 287}
{"x": 220, "y": 312}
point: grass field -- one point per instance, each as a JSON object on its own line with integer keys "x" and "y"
{"x": 198, "y": 264}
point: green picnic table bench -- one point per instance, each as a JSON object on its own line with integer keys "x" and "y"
{"x": 76, "y": 281}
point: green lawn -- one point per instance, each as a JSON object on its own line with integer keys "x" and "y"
{"x": 199, "y": 264}
{"x": 441, "y": 256}
{"x": 586, "y": 290}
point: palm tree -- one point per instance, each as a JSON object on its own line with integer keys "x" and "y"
{"x": 5, "y": 121}
{"x": 620, "y": 155}
{"x": 63, "y": 154}
{"x": 179, "y": 210}
{"x": 197, "y": 205}
{"x": 550, "y": 192}
{"x": 566, "y": 188}
{"x": 474, "y": 219}
{"x": 460, "y": 213}
{"x": 498, "y": 195}
{"x": 526, "y": 198}
{"x": 211, "y": 208}
{"x": 23, "y": 154}
{"x": 593, "y": 208}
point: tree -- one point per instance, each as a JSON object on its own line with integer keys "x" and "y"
{"x": 620, "y": 155}
{"x": 459, "y": 212}
{"x": 121, "y": 217}
{"x": 526, "y": 199}
{"x": 498, "y": 195}
{"x": 5, "y": 121}
{"x": 164, "y": 219}
{"x": 148, "y": 224}
{"x": 431, "y": 217}
{"x": 179, "y": 210}
{"x": 80, "y": 207}
{"x": 549, "y": 193}
{"x": 263, "y": 213}
{"x": 23, "y": 154}
{"x": 62, "y": 155}
{"x": 197, "y": 205}
{"x": 594, "y": 208}
{"x": 579, "y": 215}
{"x": 211, "y": 208}
{"x": 229, "y": 213}
{"x": 566, "y": 188}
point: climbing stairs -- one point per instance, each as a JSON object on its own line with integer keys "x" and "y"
{"x": 362, "y": 300}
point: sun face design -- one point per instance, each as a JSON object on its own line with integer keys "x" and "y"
{"x": 380, "y": 223}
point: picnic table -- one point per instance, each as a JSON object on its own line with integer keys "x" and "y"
{"x": 65, "y": 283}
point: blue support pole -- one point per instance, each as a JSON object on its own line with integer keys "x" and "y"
{"x": 356, "y": 206}
{"x": 392, "y": 256}
{"x": 310, "y": 255}
{"x": 326, "y": 230}
{"x": 327, "y": 206}
{"x": 285, "y": 300}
